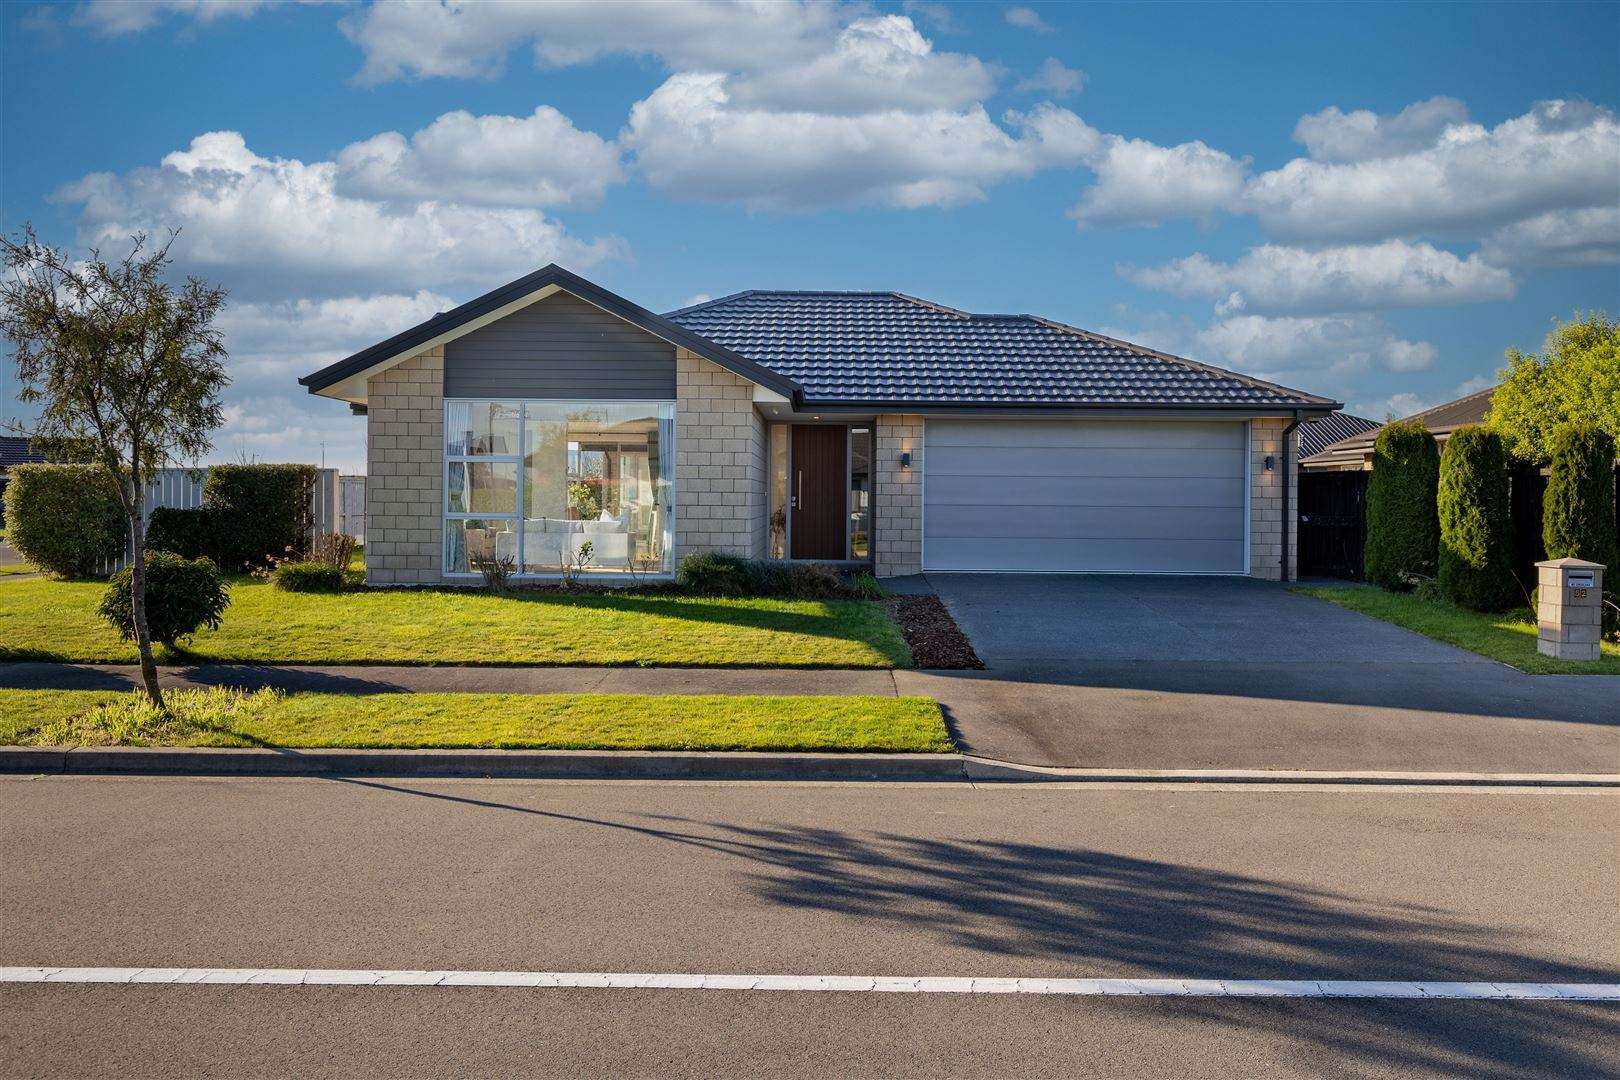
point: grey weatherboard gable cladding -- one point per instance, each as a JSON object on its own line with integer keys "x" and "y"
{"x": 884, "y": 348}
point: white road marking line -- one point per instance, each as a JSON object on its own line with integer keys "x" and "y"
{"x": 1283, "y": 988}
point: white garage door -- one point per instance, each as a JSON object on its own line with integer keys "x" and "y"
{"x": 1129, "y": 496}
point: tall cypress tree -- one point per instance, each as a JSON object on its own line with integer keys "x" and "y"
{"x": 1476, "y": 523}
{"x": 1403, "y": 529}
{"x": 1577, "y": 513}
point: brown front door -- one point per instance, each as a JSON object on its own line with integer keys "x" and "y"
{"x": 818, "y": 487}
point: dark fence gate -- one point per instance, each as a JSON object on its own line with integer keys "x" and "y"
{"x": 1332, "y": 523}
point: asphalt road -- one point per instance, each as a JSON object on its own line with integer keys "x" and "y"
{"x": 800, "y": 879}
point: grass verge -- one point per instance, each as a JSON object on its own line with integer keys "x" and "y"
{"x": 56, "y": 620}
{"x": 1509, "y": 637}
{"x": 219, "y": 717}
{"x": 17, "y": 568}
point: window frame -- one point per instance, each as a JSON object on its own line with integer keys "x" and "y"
{"x": 446, "y": 515}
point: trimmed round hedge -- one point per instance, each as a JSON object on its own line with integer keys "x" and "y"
{"x": 1403, "y": 527}
{"x": 65, "y": 519}
{"x": 182, "y": 596}
{"x": 1476, "y": 524}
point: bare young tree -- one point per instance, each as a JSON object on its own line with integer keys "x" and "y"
{"x": 126, "y": 368}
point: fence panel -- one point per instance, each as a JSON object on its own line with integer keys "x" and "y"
{"x": 1332, "y": 523}
{"x": 352, "y": 506}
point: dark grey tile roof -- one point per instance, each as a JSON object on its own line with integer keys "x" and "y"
{"x": 1313, "y": 437}
{"x": 1440, "y": 419}
{"x": 14, "y": 450}
{"x": 878, "y": 347}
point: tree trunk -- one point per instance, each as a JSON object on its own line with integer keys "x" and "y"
{"x": 137, "y": 595}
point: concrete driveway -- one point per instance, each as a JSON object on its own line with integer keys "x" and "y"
{"x": 1207, "y": 672}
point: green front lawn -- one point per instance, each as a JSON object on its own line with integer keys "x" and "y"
{"x": 56, "y": 620}
{"x": 1510, "y": 637}
{"x": 499, "y": 721}
{"x": 17, "y": 568}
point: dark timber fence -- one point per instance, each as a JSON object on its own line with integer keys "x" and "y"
{"x": 1333, "y": 522}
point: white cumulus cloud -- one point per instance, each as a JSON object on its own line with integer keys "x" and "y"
{"x": 1026, "y": 18}
{"x": 1054, "y": 78}
{"x": 1274, "y": 279}
{"x": 693, "y": 141}
{"x": 461, "y": 39}
{"x": 1288, "y": 347}
{"x": 1559, "y": 155}
{"x": 1362, "y": 135}
{"x": 1143, "y": 183}
{"x": 278, "y": 226}
{"x": 1589, "y": 237}
{"x": 114, "y": 17}
{"x": 537, "y": 160}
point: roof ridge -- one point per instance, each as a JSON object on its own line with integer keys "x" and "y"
{"x": 710, "y": 303}
{"x": 1195, "y": 364}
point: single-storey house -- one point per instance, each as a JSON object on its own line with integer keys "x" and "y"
{"x": 861, "y": 428}
{"x": 15, "y": 450}
{"x": 1353, "y": 452}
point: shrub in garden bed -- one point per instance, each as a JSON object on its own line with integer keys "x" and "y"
{"x": 65, "y": 519}
{"x": 190, "y": 532}
{"x": 711, "y": 573}
{"x": 1403, "y": 528}
{"x": 182, "y": 596}
{"x": 308, "y": 577}
{"x": 1476, "y": 527}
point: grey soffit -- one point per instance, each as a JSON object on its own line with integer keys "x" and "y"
{"x": 1315, "y": 436}
{"x": 892, "y": 349}
{"x": 449, "y": 321}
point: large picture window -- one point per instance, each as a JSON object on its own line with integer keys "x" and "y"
{"x": 554, "y": 483}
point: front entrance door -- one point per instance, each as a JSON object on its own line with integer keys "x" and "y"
{"x": 818, "y": 489}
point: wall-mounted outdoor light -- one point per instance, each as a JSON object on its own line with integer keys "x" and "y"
{"x": 905, "y": 460}
{"x": 1271, "y": 463}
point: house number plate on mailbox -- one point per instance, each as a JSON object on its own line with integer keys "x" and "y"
{"x": 1579, "y": 583}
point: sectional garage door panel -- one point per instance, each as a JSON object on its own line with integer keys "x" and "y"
{"x": 1117, "y": 496}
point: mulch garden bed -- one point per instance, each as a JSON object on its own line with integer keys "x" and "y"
{"x": 935, "y": 639}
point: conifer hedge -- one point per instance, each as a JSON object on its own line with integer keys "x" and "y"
{"x": 1403, "y": 529}
{"x": 1476, "y": 524}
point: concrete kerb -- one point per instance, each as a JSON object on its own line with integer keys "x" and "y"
{"x": 656, "y": 765}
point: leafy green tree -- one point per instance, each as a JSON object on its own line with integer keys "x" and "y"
{"x": 1577, "y": 513}
{"x": 1403, "y": 531}
{"x": 126, "y": 369}
{"x": 1476, "y": 523}
{"x": 1577, "y": 378}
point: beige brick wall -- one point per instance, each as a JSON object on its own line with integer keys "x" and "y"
{"x": 897, "y": 496}
{"x": 405, "y": 472}
{"x": 720, "y": 467}
{"x": 1265, "y": 500}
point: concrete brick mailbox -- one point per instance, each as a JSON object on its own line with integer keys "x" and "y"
{"x": 1569, "y": 609}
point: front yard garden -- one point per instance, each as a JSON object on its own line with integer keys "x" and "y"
{"x": 43, "y": 619}
{"x": 1509, "y": 637}
{"x": 221, "y": 717}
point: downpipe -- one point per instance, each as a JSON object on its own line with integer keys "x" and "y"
{"x": 1287, "y": 432}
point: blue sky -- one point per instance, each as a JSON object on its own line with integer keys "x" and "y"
{"x": 1367, "y": 201}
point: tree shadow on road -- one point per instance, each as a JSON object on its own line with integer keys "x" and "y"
{"x": 1093, "y": 913}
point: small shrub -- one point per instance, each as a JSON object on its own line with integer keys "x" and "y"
{"x": 334, "y": 548}
{"x": 191, "y": 717}
{"x": 65, "y": 519}
{"x": 1476, "y": 525}
{"x": 260, "y": 512}
{"x": 811, "y": 581}
{"x": 182, "y": 596}
{"x": 864, "y": 586}
{"x": 307, "y": 576}
{"x": 711, "y": 573}
{"x": 190, "y": 532}
{"x": 1403, "y": 528}
{"x": 497, "y": 572}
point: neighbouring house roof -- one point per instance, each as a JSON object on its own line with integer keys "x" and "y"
{"x": 15, "y": 450}
{"x": 1441, "y": 420}
{"x": 883, "y": 348}
{"x": 1313, "y": 437}
{"x": 450, "y": 324}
